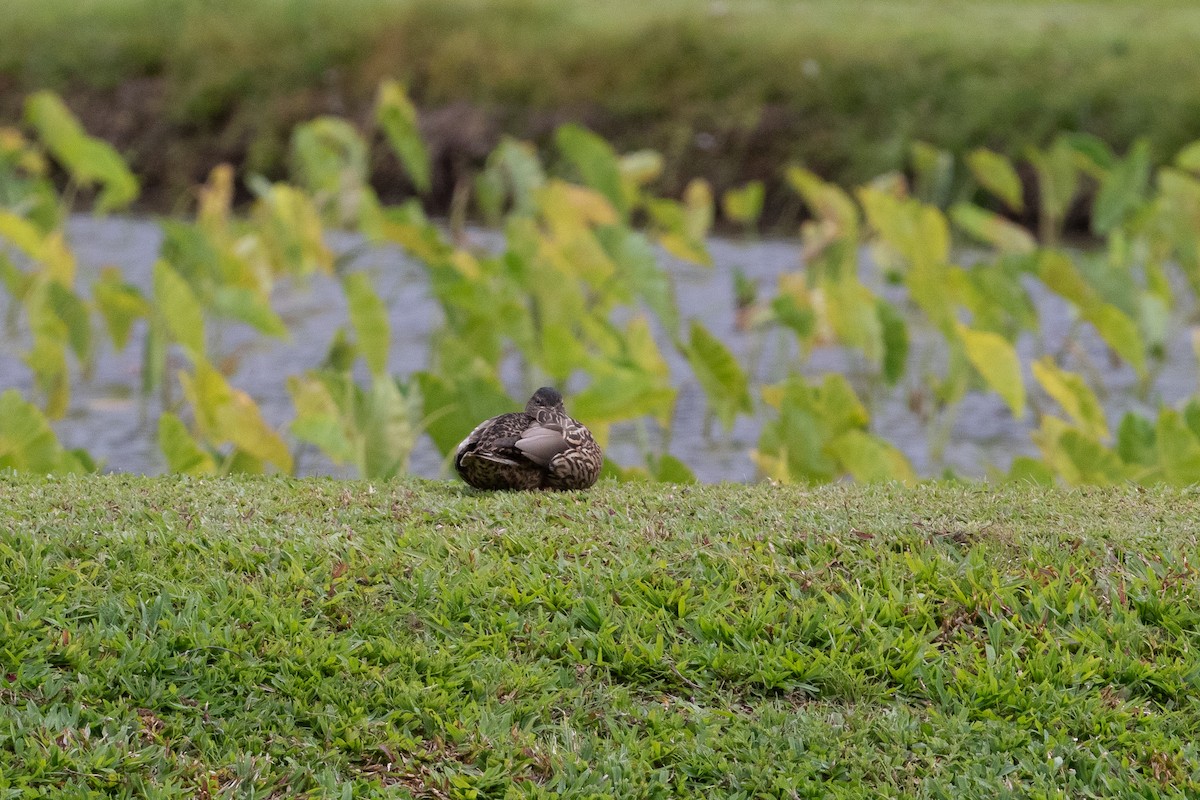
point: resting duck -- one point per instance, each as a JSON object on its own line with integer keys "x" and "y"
{"x": 538, "y": 448}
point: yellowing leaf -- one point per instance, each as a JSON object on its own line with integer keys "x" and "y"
{"x": 744, "y": 205}
{"x": 997, "y": 174}
{"x": 1120, "y": 332}
{"x": 870, "y": 459}
{"x": 1071, "y": 392}
{"x": 179, "y": 309}
{"x": 89, "y": 160}
{"x": 993, "y": 229}
{"x": 996, "y": 360}
{"x": 396, "y": 114}
{"x": 368, "y": 316}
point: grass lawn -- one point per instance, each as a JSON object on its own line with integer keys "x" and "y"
{"x": 279, "y": 638}
{"x": 729, "y": 89}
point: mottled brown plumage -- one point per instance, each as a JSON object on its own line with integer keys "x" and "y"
{"x": 538, "y": 448}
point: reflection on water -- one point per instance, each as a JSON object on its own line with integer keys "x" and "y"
{"x": 107, "y": 416}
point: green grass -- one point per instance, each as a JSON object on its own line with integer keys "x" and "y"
{"x": 255, "y": 638}
{"x": 731, "y": 90}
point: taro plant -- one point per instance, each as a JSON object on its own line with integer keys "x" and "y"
{"x": 926, "y": 283}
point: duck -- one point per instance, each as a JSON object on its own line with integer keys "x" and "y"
{"x": 538, "y": 448}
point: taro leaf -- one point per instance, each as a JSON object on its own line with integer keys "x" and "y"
{"x": 996, "y": 174}
{"x": 74, "y": 314}
{"x": 290, "y": 229}
{"x": 121, "y": 304}
{"x": 1071, "y": 392}
{"x": 397, "y": 116}
{"x": 637, "y": 267}
{"x": 1120, "y": 332}
{"x": 826, "y": 200}
{"x": 933, "y": 169}
{"x": 1058, "y": 180}
{"x": 621, "y": 394}
{"x": 1136, "y": 442}
{"x": 1123, "y": 189}
{"x": 1095, "y": 464}
{"x": 390, "y": 427}
{"x": 1026, "y": 470}
{"x": 895, "y": 341}
{"x": 320, "y": 419}
{"x": 719, "y": 374}
{"x": 1189, "y": 158}
{"x": 179, "y": 309}
{"x": 27, "y": 442}
{"x": 1178, "y": 449}
{"x": 226, "y": 414}
{"x": 328, "y": 155}
{"x": 452, "y": 409}
{"x": 669, "y": 469}
{"x": 517, "y": 167}
{"x": 870, "y": 459}
{"x": 1062, "y": 277}
{"x": 246, "y": 305}
{"x": 595, "y": 161}
{"x": 995, "y": 359}
{"x": 89, "y": 160}
{"x": 993, "y": 229}
{"x": 183, "y": 453}
{"x": 368, "y": 316}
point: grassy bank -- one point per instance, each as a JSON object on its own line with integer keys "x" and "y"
{"x": 730, "y": 90}
{"x": 183, "y": 638}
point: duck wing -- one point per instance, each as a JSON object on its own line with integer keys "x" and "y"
{"x": 541, "y": 443}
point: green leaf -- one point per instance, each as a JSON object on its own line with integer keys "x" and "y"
{"x": 1071, "y": 392}
{"x": 595, "y": 160}
{"x": 27, "y": 443}
{"x": 246, "y": 305}
{"x": 719, "y": 374}
{"x": 933, "y": 170}
{"x": 997, "y": 174}
{"x": 993, "y": 229}
{"x": 1189, "y": 157}
{"x": 639, "y": 269}
{"x": 1178, "y": 449}
{"x": 895, "y": 341}
{"x": 995, "y": 359}
{"x": 620, "y": 394}
{"x": 1136, "y": 441}
{"x": 1062, "y": 277}
{"x": 1123, "y": 189}
{"x": 89, "y": 160}
{"x": 1095, "y": 464}
{"x": 396, "y": 114}
{"x": 183, "y": 453}
{"x": 71, "y": 310}
{"x": 669, "y": 469}
{"x": 368, "y": 316}
{"x": 744, "y": 205}
{"x": 1029, "y": 470}
{"x": 454, "y": 407}
{"x": 179, "y": 309}
{"x": 121, "y": 304}
{"x": 1120, "y": 332}
{"x": 323, "y": 419}
{"x": 870, "y": 459}
{"x": 390, "y": 427}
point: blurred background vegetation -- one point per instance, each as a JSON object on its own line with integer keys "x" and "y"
{"x": 730, "y": 90}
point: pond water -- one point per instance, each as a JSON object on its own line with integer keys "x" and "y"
{"x": 111, "y": 421}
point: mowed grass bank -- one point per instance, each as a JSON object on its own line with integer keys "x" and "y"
{"x": 729, "y": 90}
{"x": 186, "y": 638}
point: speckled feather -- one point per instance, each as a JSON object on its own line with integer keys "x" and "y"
{"x": 538, "y": 448}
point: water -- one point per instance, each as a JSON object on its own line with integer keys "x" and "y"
{"x": 110, "y": 420}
